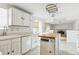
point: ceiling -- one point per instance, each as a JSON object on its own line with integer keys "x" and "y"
{"x": 67, "y": 12}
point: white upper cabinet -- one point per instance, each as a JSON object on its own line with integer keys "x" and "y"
{"x": 18, "y": 17}
{"x": 15, "y": 16}
{"x": 26, "y": 19}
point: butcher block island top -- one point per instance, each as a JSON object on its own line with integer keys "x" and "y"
{"x": 52, "y": 46}
{"x": 49, "y": 35}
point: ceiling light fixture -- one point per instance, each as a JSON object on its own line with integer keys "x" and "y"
{"x": 52, "y": 9}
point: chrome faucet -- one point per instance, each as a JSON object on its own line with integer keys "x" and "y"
{"x": 5, "y": 30}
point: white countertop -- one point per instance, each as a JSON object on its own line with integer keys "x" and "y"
{"x": 13, "y": 36}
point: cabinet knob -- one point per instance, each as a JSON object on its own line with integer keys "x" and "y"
{"x": 12, "y": 50}
{"x": 22, "y": 18}
{"x": 50, "y": 51}
{"x": 8, "y": 52}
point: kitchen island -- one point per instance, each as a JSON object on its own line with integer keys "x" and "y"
{"x": 53, "y": 43}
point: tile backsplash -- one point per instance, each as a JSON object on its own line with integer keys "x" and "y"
{"x": 22, "y": 29}
{"x": 1, "y": 32}
{"x": 14, "y": 29}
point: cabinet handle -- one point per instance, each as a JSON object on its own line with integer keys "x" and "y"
{"x": 22, "y": 18}
{"x": 13, "y": 51}
{"x": 8, "y": 52}
{"x": 50, "y": 51}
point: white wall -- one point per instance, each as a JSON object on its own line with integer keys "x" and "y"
{"x": 76, "y": 25}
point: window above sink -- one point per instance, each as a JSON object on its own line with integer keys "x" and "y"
{"x": 3, "y": 17}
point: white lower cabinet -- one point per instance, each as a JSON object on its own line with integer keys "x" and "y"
{"x": 19, "y": 45}
{"x": 16, "y": 46}
{"x": 10, "y": 47}
{"x": 29, "y": 42}
{"x": 26, "y": 44}
{"x": 35, "y": 41}
{"x": 5, "y": 47}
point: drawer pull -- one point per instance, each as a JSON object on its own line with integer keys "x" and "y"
{"x": 13, "y": 51}
{"x": 50, "y": 51}
{"x": 8, "y": 52}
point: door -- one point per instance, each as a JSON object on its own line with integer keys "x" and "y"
{"x": 16, "y": 46}
{"x": 5, "y": 47}
{"x": 26, "y": 44}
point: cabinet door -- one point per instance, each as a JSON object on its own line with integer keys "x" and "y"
{"x": 26, "y": 44}
{"x": 16, "y": 46}
{"x": 26, "y": 19}
{"x": 5, "y": 47}
{"x": 35, "y": 41}
{"x": 17, "y": 17}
